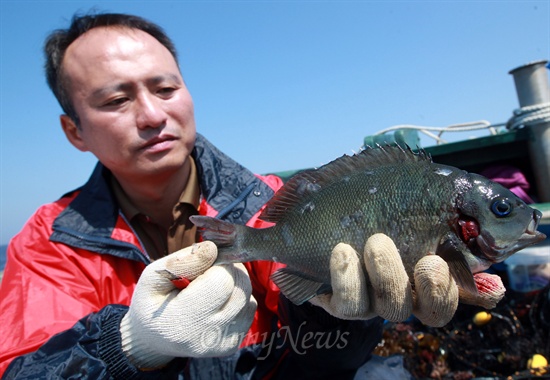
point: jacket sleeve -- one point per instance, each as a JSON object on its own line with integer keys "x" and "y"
{"x": 91, "y": 349}
{"x": 305, "y": 342}
{"x": 319, "y": 345}
{"x": 47, "y": 287}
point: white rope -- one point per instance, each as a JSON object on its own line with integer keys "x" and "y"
{"x": 530, "y": 115}
{"x": 524, "y": 116}
{"x": 463, "y": 127}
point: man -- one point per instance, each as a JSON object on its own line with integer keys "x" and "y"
{"x": 89, "y": 287}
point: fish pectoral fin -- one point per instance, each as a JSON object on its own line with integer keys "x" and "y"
{"x": 459, "y": 268}
{"x": 295, "y": 286}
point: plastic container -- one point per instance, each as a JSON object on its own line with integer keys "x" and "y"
{"x": 529, "y": 269}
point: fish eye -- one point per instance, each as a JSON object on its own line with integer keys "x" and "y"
{"x": 501, "y": 207}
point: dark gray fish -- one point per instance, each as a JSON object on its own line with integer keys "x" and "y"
{"x": 426, "y": 208}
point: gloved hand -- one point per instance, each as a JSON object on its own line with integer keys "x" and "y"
{"x": 389, "y": 294}
{"x": 209, "y": 318}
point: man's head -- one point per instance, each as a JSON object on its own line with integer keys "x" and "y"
{"x": 126, "y": 102}
{"x": 58, "y": 41}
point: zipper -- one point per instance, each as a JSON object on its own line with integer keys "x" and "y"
{"x": 227, "y": 209}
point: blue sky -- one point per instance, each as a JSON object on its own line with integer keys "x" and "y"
{"x": 278, "y": 85}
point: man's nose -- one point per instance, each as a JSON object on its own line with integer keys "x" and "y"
{"x": 150, "y": 113}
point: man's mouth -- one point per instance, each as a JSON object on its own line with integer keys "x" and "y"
{"x": 158, "y": 143}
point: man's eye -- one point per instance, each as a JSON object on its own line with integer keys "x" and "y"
{"x": 166, "y": 90}
{"x": 115, "y": 102}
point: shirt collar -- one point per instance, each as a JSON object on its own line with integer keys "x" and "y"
{"x": 190, "y": 195}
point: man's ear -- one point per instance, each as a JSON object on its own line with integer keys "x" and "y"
{"x": 72, "y": 131}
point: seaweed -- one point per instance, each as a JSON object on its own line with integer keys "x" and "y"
{"x": 500, "y": 348}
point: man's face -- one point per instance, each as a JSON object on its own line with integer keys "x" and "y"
{"x": 136, "y": 114}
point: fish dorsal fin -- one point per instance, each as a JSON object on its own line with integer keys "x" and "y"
{"x": 311, "y": 181}
{"x": 297, "y": 288}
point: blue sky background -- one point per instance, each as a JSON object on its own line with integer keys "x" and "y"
{"x": 278, "y": 85}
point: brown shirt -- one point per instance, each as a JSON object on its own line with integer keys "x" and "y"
{"x": 159, "y": 242}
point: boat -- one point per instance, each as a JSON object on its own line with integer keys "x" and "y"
{"x": 511, "y": 341}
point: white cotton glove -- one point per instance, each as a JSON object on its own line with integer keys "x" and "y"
{"x": 209, "y": 318}
{"x": 388, "y": 292}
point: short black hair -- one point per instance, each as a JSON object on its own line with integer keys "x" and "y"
{"x": 59, "y": 40}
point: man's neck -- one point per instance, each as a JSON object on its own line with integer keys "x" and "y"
{"x": 156, "y": 197}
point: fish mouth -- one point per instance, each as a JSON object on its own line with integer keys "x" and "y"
{"x": 486, "y": 245}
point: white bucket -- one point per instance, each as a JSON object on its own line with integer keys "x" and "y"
{"x": 529, "y": 269}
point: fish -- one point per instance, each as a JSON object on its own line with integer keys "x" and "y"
{"x": 424, "y": 207}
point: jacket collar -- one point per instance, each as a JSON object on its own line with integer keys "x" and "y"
{"x": 231, "y": 189}
{"x": 89, "y": 220}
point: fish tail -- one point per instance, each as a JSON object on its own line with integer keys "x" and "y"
{"x": 226, "y": 236}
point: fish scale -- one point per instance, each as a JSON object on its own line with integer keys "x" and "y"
{"x": 420, "y": 205}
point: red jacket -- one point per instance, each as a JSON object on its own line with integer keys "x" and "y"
{"x": 78, "y": 255}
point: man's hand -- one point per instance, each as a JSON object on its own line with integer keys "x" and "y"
{"x": 208, "y": 318}
{"x": 388, "y": 292}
